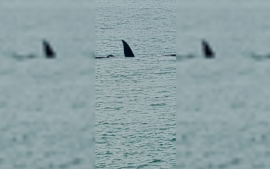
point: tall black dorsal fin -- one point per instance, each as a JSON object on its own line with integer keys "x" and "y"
{"x": 207, "y": 50}
{"x": 127, "y": 50}
{"x": 48, "y": 50}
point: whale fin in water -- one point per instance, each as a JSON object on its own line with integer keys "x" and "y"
{"x": 48, "y": 50}
{"x": 207, "y": 50}
{"x": 127, "y": 50}
{"x": 109, "y": 56}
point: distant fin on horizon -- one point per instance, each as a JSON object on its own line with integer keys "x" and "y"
{"x": 127, "y": 50}
{"x": 207, "y": 50}
{"x": 48, "y": 50}
{"x": 171, "y": 55}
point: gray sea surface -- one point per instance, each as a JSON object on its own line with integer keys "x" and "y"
{"x": 223, "y": 103}
{"x": 46, "y": 105}
{"x": 136, "y": 97}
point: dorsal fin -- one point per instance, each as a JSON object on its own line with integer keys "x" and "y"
{"x": 207, "y": 51}
{"x": 48, "y": 51}
{"x": 127, "y": 50}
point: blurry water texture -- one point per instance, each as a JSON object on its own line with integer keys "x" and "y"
{"x": 223, "y": 104}
{"x": 136, "y": 97}
{"x": 46, "y": 105}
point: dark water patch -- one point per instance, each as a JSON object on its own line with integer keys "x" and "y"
{"x": 156, "y": 161}
{"x": 108, "y": 135}
{"x": 158, "y": 104}
{"x": 163, "y": 128}
{"x": 3, "y": 104}
{"x": 259, "y": 166}
{"x": 101, "y": 142}
{"x": 185, "y": 57}
{"x": 21, "y": 138}
{"x": 235, "y": 161}
{"x": 162, "y": 73}
{"x": 71, "y": 164}
{"x": 238, "y": 104}
{"x": 259, "y": 138}
{"x": 142, "y": 166}
{"x": 118, "y": 108}
{"x": 259, "y": 57}
{"x": 20, "y": 57}
{"x": 173, "y": 140}
{"x": 49, "y": 154}
{"x": 232, "y": 163}
{"x": 79, "y": 105}
{"x": 129, "y": 166}
{"x": 2, "y": 161}
{"x": 267, "y": 153}
{"x": 7, "y": 70}
{"x": 109, "y": 153}
{"x": 20, "y": 166}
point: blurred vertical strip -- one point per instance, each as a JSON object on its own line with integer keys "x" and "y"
{"x": 92, "y": 83}
{"x": 93, "y": 99}
{"x": 215, "y": 102}
{"x": 178, "y": 2}
{"x": 47, "y": 106}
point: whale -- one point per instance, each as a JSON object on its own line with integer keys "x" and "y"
{"x": 48, "y": 50}
{"x": 109, "y": 56}
{"x": 207, "y": 50}
{"x": 128, "y": 52}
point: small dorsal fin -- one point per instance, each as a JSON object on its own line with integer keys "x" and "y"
{"x": 127, "y": 50}
{"x": 207, "y": 50}
{"x": 48, "y": 50}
